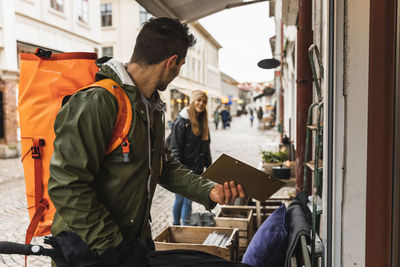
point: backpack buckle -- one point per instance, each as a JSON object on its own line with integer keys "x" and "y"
{"x": 35, "y": 151}
{"x": 40, "y": 52}
{"x": 125, "y": 148}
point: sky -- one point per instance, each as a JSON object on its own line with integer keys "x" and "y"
{"x": 243, "y": 33}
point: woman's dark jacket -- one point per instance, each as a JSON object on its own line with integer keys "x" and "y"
{"x": 188, "y": 148}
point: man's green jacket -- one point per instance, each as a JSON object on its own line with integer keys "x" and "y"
{"x": 102, "y": 198}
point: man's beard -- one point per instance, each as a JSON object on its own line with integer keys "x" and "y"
{"x": 162, "y": 87}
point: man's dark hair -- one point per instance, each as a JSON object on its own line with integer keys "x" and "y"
{"x": 161, "y": 38}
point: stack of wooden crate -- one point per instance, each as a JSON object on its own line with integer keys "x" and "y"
{"x": 240, "y": 217}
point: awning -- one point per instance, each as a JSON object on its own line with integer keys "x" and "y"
{"x": 190, "y": 10}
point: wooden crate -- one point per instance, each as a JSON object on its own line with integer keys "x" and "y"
{"x": 266, "y": 208}
{"x": 240, "y": 217}
{"x": 192, "y": 238}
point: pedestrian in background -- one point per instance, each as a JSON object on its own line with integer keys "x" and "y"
{"x": 251, "y": 117}
{"x": 226, "y": 118}
{"x": 216, "y": 117}
{"x": 190, "y": 143}
{"x": 260, "y": 114}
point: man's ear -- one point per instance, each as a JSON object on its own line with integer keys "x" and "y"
{"x": 171, "y": 61}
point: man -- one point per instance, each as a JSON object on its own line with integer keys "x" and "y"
{"x": 103, "y": 199}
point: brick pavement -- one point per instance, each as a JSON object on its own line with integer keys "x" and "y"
{"x": 14, "y": 217}
{"x": 240, "y": 141}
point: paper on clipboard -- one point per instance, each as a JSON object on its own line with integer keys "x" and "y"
{"x": 257, "y": 184}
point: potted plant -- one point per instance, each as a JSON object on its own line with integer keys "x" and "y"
{"x": 273, "y": 159}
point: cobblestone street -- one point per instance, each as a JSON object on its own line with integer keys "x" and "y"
{"x": 240, "y": 141}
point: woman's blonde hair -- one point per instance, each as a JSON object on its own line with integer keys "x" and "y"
{"x": 200, "y": 122}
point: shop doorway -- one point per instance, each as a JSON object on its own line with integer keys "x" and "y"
{"x": 178, "y": 101}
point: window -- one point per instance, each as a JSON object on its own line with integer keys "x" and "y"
{"x": 57, "y": 5}
{"x": 144, "y": 15}
{"x": 83, "y": 11}
{"x": 107, "y": 51}
{"x": 106, "y": 15}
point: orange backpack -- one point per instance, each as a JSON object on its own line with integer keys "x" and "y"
{"x": 45, "y": 79}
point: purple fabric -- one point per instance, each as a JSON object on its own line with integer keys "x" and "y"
{"x": 268, "y": 246}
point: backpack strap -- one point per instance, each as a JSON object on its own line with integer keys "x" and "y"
{"x": 41, "y": 203}
{"x": 124, "y": 117}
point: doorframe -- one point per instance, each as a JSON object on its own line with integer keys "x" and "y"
{"x": 395, "y": 257}
{"x": 380, "y": 133}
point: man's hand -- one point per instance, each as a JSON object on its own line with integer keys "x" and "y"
{"x": 227, "y": 193}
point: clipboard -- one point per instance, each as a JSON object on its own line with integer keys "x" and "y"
{"x": 257, "y": 184}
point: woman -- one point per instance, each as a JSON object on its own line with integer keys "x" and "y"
{"x": 190, "y": 143}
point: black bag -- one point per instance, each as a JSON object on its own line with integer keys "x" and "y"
{"x": 188, "y": 258}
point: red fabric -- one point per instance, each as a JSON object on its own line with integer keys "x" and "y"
{"x": 38, "y": 171}
{"x": 125, "y": 145}
{"x": 62, "y": 56}
{"x": 43, "y": 205}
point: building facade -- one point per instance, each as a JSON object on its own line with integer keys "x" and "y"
{"x": 201, "y": 70}
{"x": 284, "y": 49}
{"x": 59, "y": 25}
{"x": 230, "y": 94}
{"x": 121, "y": 22}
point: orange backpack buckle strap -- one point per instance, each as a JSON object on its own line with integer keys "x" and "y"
{"x": 41, "y": 204}
{"x": 124, "y": 117}
{"x": 125, "y": 148}
{"x": 35, "y": 152}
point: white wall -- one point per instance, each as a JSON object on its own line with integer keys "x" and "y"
{"x": 289, "y": 81}
{"x": 350, "y": 140}
{"x": 8, "y": 52}
{"x": 37, "y": 24}
{"x": 288, "y": 72}
{"x": 277, "y": 55}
